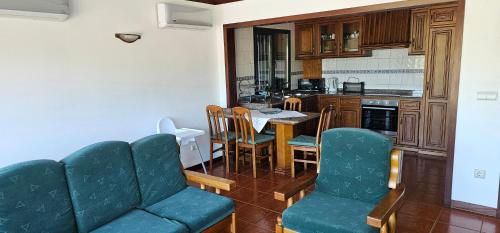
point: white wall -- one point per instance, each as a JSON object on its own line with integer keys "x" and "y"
{"x": 478, "y": 125}
{"x": 68, "y": 84}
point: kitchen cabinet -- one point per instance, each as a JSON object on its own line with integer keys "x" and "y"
{"x": 325, "y": 101}
{"x": 419, "y": 31}
{"x": 333, "y": 37}
{"x": 349, "y": 113}
{"x": 443, "y": 16}
{"x": 409, "y": 123}
{"x": 312, "y": 69}
{"x": 438, "y": 77}
{"x": 388, "y": 29}
{"x": 350, "y": 44}
{"x": 328, "y": 39}
{"x": 305, "y": 40}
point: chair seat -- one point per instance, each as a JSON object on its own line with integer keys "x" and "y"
{"x": 260, "y": 138}
{"x": 270, "y": 131}
{"x": 231, "y": 136}
{"x": 195, "y": 208}
{"x": 319, "y": 212}
{"x": 303, "y": 140}
{"x": 138, "y": 221}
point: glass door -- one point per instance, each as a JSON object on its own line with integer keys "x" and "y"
{"x": 272, "y": 60}
{"x": 328, "y": 39}
{"x": 351, "y": 31}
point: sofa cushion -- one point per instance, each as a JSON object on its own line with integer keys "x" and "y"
{"x": 319, "y": 212}
{"x": 354, "y": 164}
{"x": 158, "y": 168}
{"x": 138, "y": 221}
{"x": 34, "y": 198}
{"x": 196, "y": 208}
{"x": 102, "y": 183}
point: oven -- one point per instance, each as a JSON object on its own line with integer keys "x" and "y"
{"x": 380, "y": 115}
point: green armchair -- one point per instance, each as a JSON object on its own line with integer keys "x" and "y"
{"x": 356, "y": 191}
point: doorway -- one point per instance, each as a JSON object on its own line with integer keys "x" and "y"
{"x": 272, "y": 59}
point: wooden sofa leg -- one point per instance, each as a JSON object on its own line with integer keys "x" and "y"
{"x": 279, "y": 227}
{"x": 392, "y": 223}
{"x": 383, "y": 229}
{"x": 233, "y": 223}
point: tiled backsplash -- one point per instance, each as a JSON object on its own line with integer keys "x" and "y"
{"x": 385, "y": 69}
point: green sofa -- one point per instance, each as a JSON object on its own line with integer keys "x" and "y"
{"x": 113, "y": 187}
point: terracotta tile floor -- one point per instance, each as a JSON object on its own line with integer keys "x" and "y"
{"x": 422, "y": 211}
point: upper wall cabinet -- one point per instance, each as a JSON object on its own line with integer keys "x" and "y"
{"x": 350, "y": 45}
{"x": 329, "y": 38}
{"x": 419, "y": 31}
{"x": 442, "y": 16}
{"x": 305, "y": 40}
{"x": 387, "y": 29}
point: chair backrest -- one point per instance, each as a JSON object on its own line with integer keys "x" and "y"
{"x": 165, "y": 125}
{"x": 216, "y": 123}
{"x": 34, "y": 197}
{"x": 354, "y": 164}
{"x": 324, "y": 122}
{"x": 158, "y": 168}
{"x": 293, "y": 104}
{"x": 102, "y": 183}
{"x": 243, "y": 124}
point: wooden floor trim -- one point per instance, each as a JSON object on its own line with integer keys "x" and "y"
{"x": 478, "y": 209}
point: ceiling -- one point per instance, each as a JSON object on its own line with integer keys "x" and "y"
{"x": 215, "y": 2}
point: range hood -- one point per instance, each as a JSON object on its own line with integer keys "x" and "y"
{"x": 53, "y": 10}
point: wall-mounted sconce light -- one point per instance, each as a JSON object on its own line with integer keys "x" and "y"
{"x": 128, "y": 38}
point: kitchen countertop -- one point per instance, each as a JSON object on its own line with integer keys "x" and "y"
{"x": 369, "y": 93}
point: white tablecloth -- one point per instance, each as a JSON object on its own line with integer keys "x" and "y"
{"x": 259, "y": 120}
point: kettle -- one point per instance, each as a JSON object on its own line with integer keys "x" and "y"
{"x": 332, "y": 84}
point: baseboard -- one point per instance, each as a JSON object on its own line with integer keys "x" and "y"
{"x": 478, "y": 209}
{"x": 198, "y": 167}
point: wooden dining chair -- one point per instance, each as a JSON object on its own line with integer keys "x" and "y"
{"x": 291, "y": 104}
{"x": 246, "y": 138}
{"x": 219, "y": 133}
{"x": 311, "y": 145}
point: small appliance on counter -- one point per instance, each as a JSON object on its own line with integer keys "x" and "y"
{"x": 353, "y": 87}
{"x": 311, "y": 84}
{"x": 331, "y": 85}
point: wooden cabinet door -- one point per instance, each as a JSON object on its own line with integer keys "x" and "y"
{"x": 435, "y": 136}
{"x": 441, "y": 51}
{"x": 349, "y": 117}
{"x": 324, "y": 101}
{"x": 408, "y": 128}
{"x": 305, "y": 40}
{"x": 387, "y": 29}
{"x": 351, "y": 46}
{"x": 419, "y": 31}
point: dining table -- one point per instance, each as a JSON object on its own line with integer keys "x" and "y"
{"x": 285, "y": 129}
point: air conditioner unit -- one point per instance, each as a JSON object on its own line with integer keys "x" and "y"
{"x": 183, "y": 16}
{"x": 53, "y": 10}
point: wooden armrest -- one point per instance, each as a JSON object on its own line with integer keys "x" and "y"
{"x": 289, "y": 190}
{"x": 208, "y": 180}
{"x": 391, "y": 202}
